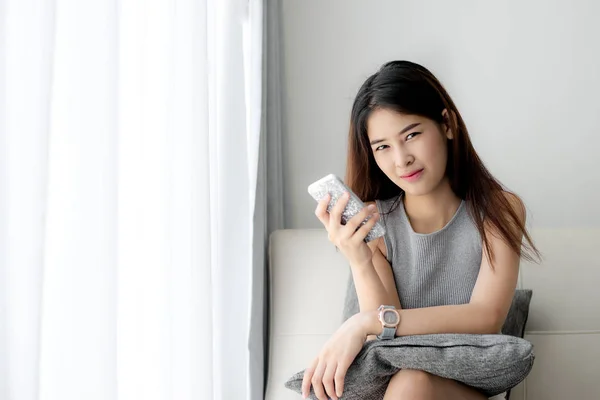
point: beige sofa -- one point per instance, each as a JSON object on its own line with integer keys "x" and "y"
{"x": 308, "y": 280}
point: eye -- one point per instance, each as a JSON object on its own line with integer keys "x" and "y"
{"x": 381, "y": 147}
{"x": 412, "y": 133}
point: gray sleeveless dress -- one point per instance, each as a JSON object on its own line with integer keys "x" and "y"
{"x": 433, "y": 269}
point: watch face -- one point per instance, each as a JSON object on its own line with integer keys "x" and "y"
{"x": 390, "y": 317}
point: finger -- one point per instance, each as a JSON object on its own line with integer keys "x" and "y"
{"x": 317, "y": 381}
{"x": 308, "y": 374}
{"x": 340, "y": 374}
{"x": 338, "y": 209}
{"x": 364, "y": 230}
{"x": 355, "y": 221}
{"x": 321, "y": 210}
{"x": 328, "y": 380}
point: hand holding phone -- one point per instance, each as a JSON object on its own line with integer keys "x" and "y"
{"x": 350, "y": 225}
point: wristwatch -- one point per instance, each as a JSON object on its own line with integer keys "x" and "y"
{"x": 389, "y": 318}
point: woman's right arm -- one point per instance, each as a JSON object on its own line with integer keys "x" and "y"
{"x": 371, "y": 272}
{"x": 374, "y": 281}
{"x": 375, "y": 284}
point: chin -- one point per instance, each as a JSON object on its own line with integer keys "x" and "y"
{"x": 415, "y": 190}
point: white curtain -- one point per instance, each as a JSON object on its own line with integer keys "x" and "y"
{"x": 129, "y": 150}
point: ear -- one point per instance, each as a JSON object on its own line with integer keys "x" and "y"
{"x": 446, "y": 124}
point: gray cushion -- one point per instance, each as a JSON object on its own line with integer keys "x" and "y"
{"x": 518, "y": 313}
{"x": 490, "y": 363}
{"x": 517, "y": 317}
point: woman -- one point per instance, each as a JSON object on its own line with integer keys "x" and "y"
{"x": 449, "y": 260}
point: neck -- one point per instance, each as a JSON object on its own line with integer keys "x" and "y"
{"x": 432, "y": 211}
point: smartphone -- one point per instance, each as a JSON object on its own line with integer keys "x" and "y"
{"x": 336, "y": 187}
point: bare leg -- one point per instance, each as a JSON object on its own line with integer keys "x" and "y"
{"x": 410, "y": 384}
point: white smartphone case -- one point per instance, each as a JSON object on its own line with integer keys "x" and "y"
{"x": 336, "y": 187}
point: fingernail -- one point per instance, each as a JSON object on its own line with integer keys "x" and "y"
{"x": 371, "y": 207}
{"x": 347, "y": 195}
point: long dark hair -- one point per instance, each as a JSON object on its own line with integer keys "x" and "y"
{"x": 411, "y": 89}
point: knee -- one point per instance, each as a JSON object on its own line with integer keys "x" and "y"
{"x": 410, "y": 384}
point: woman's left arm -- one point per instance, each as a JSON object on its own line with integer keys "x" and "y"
{"x": 490, "y": 300}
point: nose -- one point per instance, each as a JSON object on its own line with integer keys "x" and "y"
{"x": 402, "y": 158}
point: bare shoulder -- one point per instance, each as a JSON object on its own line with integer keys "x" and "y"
{"x": 377, "y": 244}
{"x": 518, "y": 207}
{"x": 516, "y": 203}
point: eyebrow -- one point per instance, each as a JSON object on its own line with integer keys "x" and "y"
{"x": 406, "y": 129}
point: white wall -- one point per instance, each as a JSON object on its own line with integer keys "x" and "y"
{"x": 525, "y": 76}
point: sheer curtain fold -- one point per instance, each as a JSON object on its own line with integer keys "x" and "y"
{"x": 129, "y": 135}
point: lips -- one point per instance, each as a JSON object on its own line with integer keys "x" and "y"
{"x": 412, "y": 173}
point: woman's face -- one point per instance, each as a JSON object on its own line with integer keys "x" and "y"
{"x": 408, "y": 144}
